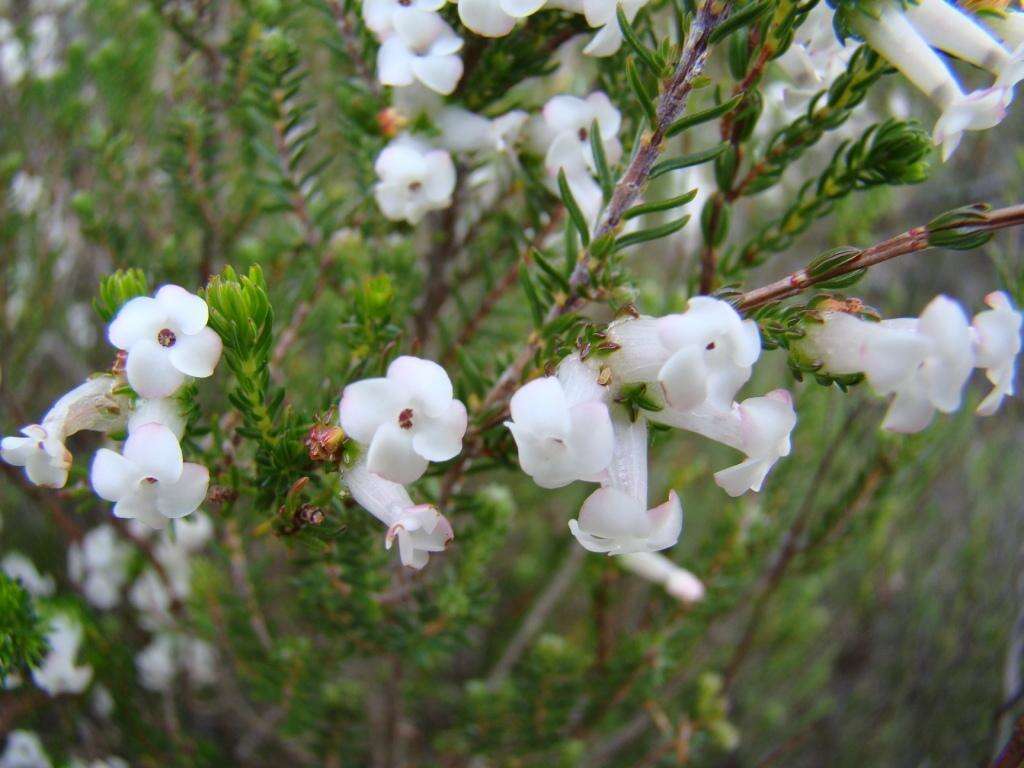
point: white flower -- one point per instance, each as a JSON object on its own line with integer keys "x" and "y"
{"x": 703, "y": 355}
{"x": 111, "y": 761}
{"x": 13, "y": 63}
{"x": 419, "y": 528}
{"x": 408, "y": 419}
{"x": 151, "y": 595}
{"x": 26, "y": 192}
{"x": 149, "y": 481}
{"x": 614, "y": 519}
{"x": 951, "y": 30}
{"x": 92, "y": 405}
{"x": 465, "y": 131}
{"x": 24, "y": 750}
{"x": 380, "y": 15}
{"x": 45, "y": 33}
{"x": 815, "y": 58}
{"x": 678, "y": 582}
{"x": 495, "y": 18}
{"x": 601, "y": 13}
{"x": 167, "y": 339}
{"x": 160, "y": 410}
{"x": 1007, "y": 23}
{"x": 167, "y": 654}
{"x": 896, "y": 39}
{"x": 562, "y": 427}
{"x": 99, "y": 565}
{"x": 59, "y": 672}
{"x": 20, "y": 568}
{"x": 414, "y": 179}
{"x": 424, "y": 48}
{"x": 996, "y": 333}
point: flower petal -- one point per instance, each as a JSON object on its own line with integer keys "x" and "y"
{"x": 391, "y": 456}
{"x": 486, "y": 17}
{"x": 187, "y": 312}
{"x": 367, "y": 404}
{"x": 140, "y": 318}
{"x": 394, "y": 63}
{"x": 591, "y": 439}
{"x": 149, "y": 370}
{"x": 426, "y": 382}
{"x": 612, "y": 514}
{"x": 155, "y": 451}
{"x": 197, "y": 354}
{"x": 909, "y": 412}
{"x": 684, "y": 378}
{"x": 440, "y": 438}
{"x": 183, "y": 497}
{"x": 112, "y": 475}
{"x": 439, "y": 73}
{"x": 540, "y": 408}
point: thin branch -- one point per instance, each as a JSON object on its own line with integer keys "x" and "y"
{"x": 1012, "y": 754}
{"x": 912, "y": 241}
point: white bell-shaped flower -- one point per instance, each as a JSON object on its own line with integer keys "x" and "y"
{"x": 93, "y": 405}
{"x": 997, "y": 344}
{"x": 816, "y": 57}
{"x": 380, "y": 15}
{"x": 495, "y": 18}
{"x": 99, "y": 565}
{"x": 167, "y": 339}
{"x": 677, "y": 581}
{"x": 570, "y": 118}
{"x": 18, "y": 567}
{"x": 896, "y": 40}
{"x": 149, "y": 481}
{"x": 422, "y": 48}
{"x": 161, "y": 410}
{"x": 562, "y": 427}
{"x": 1005, "y": 22}
{"x": 414, "y": 179}
{"x": 407, "y": 419}
{"x": 23, "y": 749}
{"x": 614, "y": 519}
{"x": 419, "y": 528}
{"x": 59, "y": 672}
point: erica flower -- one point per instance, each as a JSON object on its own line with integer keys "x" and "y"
{"x": 495, "y": 18}
{"x": 423, "y": 48}
{"x": 149, "y": 481}
{"x": 816, "y": 57}
{"x": 562, "y": 427}
{"x": 99, "y": 565}
{"x": 677, "y": 581}
{"x": 167, "y": 654}
{"x": 601, "y": 13}
{"x": 167, "y": 339}
{"x": 23, "y": 749}
{"x": 40, "y": 450}
{"x": 60, "y": 673}
{"x": 414, "y": 179}
{"x": 614, "y": 519}
{"x": 407, "y": 419}
{"x": 702, "y": 355}
{"x": 380, "y": 15}
{"x": 20, "y": 568}
{"x": 465, "y": 131}
{"x": 996, "y": 346}
{"x": 1003, "y": 20}
{"x": 895, "y": 39}
{"x": 419, "y": 528}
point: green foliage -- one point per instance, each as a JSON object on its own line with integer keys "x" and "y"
{"x": 118, "y": 289}
{"x": 22, "y": 631}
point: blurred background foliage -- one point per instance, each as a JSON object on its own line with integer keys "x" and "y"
{"x": 862, "y": 610}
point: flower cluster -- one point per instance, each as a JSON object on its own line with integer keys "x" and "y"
{"x": 923, "y": 362}
{"x": 24, "y": 749}
{"x": 417, "y": 45}
{"x": 908, "y": 36}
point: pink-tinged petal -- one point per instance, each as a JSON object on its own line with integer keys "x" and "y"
{"x": 591, "y": 439}
{"x": 425, "y": 381}
{"x": 745, "y": 476}
{"x": 113, "y": 477}
{"x": 187, "y": 312}
{"x": 183, "y": 497}
{"x": 440, "y": 438}
{"x": 684, "y": 378}
{"x": 766, "y": 423}
{"x": 909, "y": 412}
{"x": 149, "y": 370}
{"x": 141, "y": 318}
{"x": 154, "y": 449}
{"x": 486, "y": 17}
{"x": 394, "y": 63}
{"x": 197, "y": 354}
{"x": 391, "y": 456}
{"x": 540, "y": 408}
{"x": 367, "y": 404}
{"x": 440, "y": 73}
{"x": 666, "y": 523}
{"x": 440, "y": 177}
{"x": 588, "y": 541}
{"x": 611, "y": 514}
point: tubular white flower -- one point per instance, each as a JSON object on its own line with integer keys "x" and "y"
{"x": 951, "y": 30}
{"x": 419, "y": 528}
{"x": 562, "y": 427}
{"x": 18, "y": 567}
{"x": 423, "y": 48}
{"x": 495, "y": 18}
{"x": 601, "y": 13}
{"x": 996, "y": 335}
{"x": 896, "y": 39}
{"x": 614, "y": 519}
{"x": 149, "y": 481}
{"x": 24, "y": 750}
{"x": 167, "y": 339}
{"x": 407, "y": 419}
{"x": 380, "y": 15}
{"x": 414, "y": 179}
{"x": 1006, "y": 23}
{"x": 677, "y": 581}
{"x": 161, "y": 410}
{"x": 92, "y": 405}
{"x": 59, "y": 673}
{"x": 99, "y": 565}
